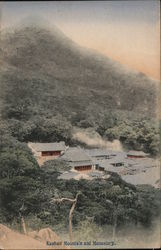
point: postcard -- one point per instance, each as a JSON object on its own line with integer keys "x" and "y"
{"x": 80, "y": 124}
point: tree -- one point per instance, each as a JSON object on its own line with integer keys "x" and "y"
{"x": 74, "y": 202}
{"x": 57, "y": 165}
{"x": 19, "y": 181}
{"x": 21, "y": 212}
{"x": 5, "y": 136}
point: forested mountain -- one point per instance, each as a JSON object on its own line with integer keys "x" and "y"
{"x": 48, "y": 71}
{"x": 48, "y": 86}
{"x": 48, "y": 82}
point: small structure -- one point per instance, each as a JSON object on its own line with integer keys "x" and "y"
{"x": 47, "y": 151}
{"x": 136, "y": 154}
{"x": 99, "y": 167}
{"x": 100, "y": 154}
{"x": 117, "y": 162}
{"x": 78, "y": 159}
{"x": 107, "y": 167}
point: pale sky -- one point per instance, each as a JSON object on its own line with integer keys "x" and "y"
{"x": 126, "y": 31}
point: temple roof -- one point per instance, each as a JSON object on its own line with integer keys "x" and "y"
{"x": 137, "y": 153}
{"x": 55, "y": 146}
{"x": 76, "y": 155}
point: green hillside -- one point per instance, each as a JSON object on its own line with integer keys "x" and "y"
{"x": 48, "y": 81}
{"x": 59, "y": 75}
{"x": 49, "y": 86}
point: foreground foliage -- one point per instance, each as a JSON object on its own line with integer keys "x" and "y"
{"x": 23, "y": 182}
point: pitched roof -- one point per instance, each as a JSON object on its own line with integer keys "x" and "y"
{"x": 136, "y": 153}
{"x": 56, "y": 146}
{"x": 117, "y": 160}
{"x": 80, "y": 163}
{"x": 96, "y": 152}
{"x": 76, "y": 155}
{"x": 109, "y": 167}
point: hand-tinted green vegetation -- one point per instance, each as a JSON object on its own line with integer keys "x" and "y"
{"x": 48, "y": 86}
{"x": 134, "y": 133}
{"x": 23, "y": 182}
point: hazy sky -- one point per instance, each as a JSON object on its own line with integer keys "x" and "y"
{"x": 127, "y": 31}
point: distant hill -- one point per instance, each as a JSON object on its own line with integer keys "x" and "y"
{"x": 50, "y": 72}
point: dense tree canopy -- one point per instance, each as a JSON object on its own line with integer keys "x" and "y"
{"x": 23, "y": 182}
{"x": 43, "y": 96}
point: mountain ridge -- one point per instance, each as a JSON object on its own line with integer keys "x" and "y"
{"x": 66, "y": 71}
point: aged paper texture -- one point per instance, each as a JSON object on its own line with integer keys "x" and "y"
{"x": 79, "y": 124}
